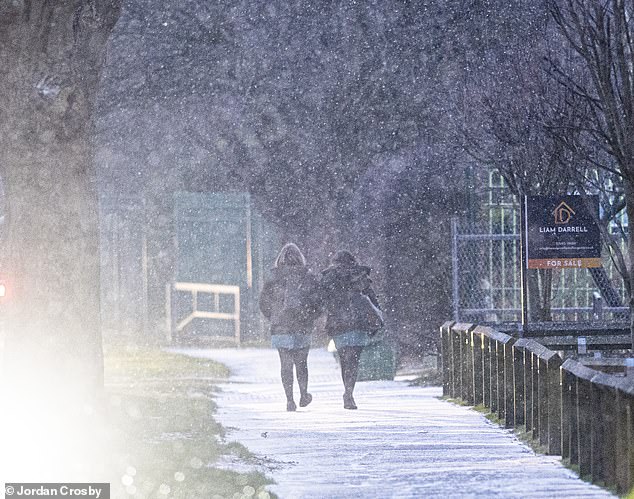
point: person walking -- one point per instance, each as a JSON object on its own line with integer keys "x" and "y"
{"x": 290, "y": 300}
{"x": 353, "y": 315}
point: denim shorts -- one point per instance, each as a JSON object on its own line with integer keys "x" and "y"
{"x": 351, "y": 339}
{"x": 290, "y": 341}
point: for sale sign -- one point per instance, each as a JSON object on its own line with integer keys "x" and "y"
{"x": 562, "y": 232}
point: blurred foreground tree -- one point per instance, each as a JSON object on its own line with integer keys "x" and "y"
{"x": 51, "y": 54}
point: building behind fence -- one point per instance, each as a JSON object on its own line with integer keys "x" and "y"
{"x": 486, "y": 269}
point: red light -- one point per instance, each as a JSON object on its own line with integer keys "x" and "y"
{"x": 3, "y": 290}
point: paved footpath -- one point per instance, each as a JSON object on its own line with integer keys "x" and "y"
{"x": 402, "y": 442}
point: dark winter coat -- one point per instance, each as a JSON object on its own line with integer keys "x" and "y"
{"x": 337, "y": 283}
{"x": 273, "y": 294}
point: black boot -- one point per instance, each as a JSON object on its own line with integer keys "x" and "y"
{"x": 290, "y": 406}
{"x": 305, "y": 399}
{"x": 348, "y": 401}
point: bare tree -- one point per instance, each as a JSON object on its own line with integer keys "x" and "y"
{"x": 51, "y": 54}
{"x": 512, "y": 137}
{"x": 601, "y": 34}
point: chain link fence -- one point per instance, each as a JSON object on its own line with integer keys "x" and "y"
{"x": 487, "y": 284}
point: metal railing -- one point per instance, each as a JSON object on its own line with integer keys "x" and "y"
{"x": 195, "y": 289}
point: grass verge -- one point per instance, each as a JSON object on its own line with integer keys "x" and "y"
{"x": 165, "y": 440}
{"x": 453, "y": 400}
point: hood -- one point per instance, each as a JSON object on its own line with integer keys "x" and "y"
{"x": 350, "y": 273}
{"x": 288, "y": 273}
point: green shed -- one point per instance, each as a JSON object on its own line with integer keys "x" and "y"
{"x": 222, "y": 245}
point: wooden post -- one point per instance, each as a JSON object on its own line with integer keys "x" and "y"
{"x": 621, "y": 444}
{"x": 604, "y": 437}
{"x": 518, "y": 381}
{"x": 445, "y": 345}
{"x": 597, "y": 435}
{"x": 486, "y": 371}
{"x": 478, "y": 367}
{"x": 462, "y": 375}
{"x": 449, "y": 359}
{"x": 501, "y": 390}
{"x": 494, "y": 375}
{"x": 553, "y": 369}
{"x": 582, "y": 413}
{"x": 574, "y": 420}
{"x": 624, "y": 445}
{"x": 543, "y": 395}
{"x": 584, "y": 428}
{"x": 467, "y": 366}
{"x": 460, "y": 354}
{"x": 455, "y": 363}
{"x": 566, "y": 409}
{"x": 609, "y": 434}
{"x": 596, "y": 425}
{"x": 536, "y": 390}
{"x": 630, "y": 439}
{"x": 536, "y": 395}
{"x": 509, "y": 383}
{"x": 528, "y": 390}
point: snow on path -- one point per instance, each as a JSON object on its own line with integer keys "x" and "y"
{"x": 402, "y": 442}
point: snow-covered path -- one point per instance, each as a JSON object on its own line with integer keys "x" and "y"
{"x": 401, "y": 442}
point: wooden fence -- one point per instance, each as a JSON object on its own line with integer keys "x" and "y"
{"x": 584, "y": 415}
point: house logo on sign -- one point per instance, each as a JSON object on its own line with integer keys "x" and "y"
{"x": 563, "y": 213}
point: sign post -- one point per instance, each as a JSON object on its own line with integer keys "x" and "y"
{"x": 558, "y": 232}
{"x": 523, "y": 267}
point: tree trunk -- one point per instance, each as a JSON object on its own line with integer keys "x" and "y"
{"x": 629, "y": 201}
{"x": 534, "y": 302}
{"x": 50, "y": 58}
{"x": 546, "y": 293}
{"x": 540, "y": 295}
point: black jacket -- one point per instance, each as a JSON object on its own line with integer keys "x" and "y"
{"x": 272, "y": 296}
{"x": 337, "y": 283}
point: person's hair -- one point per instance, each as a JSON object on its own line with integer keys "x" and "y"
{"x": 343, "y": 257}
{"x": 290, "y": 254}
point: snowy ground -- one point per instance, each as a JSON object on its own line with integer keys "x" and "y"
{"x": 402, "y": 442}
